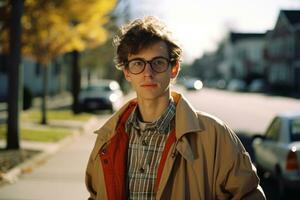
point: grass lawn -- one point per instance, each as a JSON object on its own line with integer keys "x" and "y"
{"x": 47, "y": 134}
{"x": 35, "y": 115}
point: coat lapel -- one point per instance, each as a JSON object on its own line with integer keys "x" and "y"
{"x": 181, "y": 144}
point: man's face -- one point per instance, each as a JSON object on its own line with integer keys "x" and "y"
{"x": 150, "y": 84}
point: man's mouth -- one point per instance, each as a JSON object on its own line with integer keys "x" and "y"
{"x": 149, "y": 85}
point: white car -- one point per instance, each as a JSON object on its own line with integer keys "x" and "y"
{"x": 102, "y": 95}
{"x": 277, "y": 152}
{"x": 192, "y": 84}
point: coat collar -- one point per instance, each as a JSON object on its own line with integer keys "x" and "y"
{"x": 108, "y": 129}
{"x": 183, "y": 111}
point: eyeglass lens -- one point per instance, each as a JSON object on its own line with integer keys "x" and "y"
{"x": 159, "y": 65}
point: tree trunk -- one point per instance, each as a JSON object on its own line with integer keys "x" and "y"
{"x": 44, "y": 95}
{"x": 89, "y": 77}
{"x": 76, "y": 78}
{"x": 14, "y": 89}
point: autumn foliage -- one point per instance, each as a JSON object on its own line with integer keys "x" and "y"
{"x": 52, "y": 28}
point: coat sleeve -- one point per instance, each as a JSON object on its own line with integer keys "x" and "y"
{"x": 89, "y": 180}
{"x": 240, "y": 180}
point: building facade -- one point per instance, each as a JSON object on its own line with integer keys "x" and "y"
{"x": 32, "y": 79}
{"x": 282, "y": 53}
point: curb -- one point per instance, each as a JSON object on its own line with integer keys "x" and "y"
{"x": 13, "y": 174}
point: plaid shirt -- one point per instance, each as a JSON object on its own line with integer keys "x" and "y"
{"x": 146, "y": 144}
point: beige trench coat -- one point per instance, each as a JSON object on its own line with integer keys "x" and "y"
{"x": 206, "y": 162}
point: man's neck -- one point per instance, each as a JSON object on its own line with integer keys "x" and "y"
{"x": 151, "y": 110}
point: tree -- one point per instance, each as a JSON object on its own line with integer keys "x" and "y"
{"x": 100, "y": 60}
{"x": 14, "y": 77}
{"x": 52, "y": 28}
{"x": 76, "y": 79}
{"x": 76, "y": 19}
{"x": 71, "y": 26}
{"x": 48, "y": 30}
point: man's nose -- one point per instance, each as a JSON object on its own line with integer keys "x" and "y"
{"x": 148, "y": 69}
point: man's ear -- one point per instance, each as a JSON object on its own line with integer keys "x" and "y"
{"x": 126, "y": 74}
{"x": 175, "y": 70}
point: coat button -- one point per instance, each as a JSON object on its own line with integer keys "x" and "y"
{"x": 103, "y": 151}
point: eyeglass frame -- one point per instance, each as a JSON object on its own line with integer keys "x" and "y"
{"x": 149, "y": 62}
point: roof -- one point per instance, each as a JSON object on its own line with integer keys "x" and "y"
{"x": 292, "y": 15}
{"x": 241, "y": 36}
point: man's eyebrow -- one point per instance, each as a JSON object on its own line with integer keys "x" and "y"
{"x": 149, "y": 59}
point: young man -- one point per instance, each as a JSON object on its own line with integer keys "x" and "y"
{"x": 157, "y": 146}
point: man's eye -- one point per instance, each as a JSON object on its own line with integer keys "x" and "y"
{"x": 159, "y": 62}
{"x": 138, "y": 63}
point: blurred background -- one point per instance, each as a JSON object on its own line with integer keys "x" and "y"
{"x": 241, "y": 62}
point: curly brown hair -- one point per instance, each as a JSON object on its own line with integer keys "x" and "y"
{"x": 140, "y": 34}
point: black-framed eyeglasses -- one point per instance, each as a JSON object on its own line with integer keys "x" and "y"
{"x": 158, "y": 64}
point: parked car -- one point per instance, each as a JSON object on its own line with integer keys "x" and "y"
{"x": 237, "y": 85}
{"x": 192, "y": 84}
{"x": 103, "y": 95}
{"x": 221, "y": 84}
{"x": 257, "y": 85}
{"x": 277, "y": 152}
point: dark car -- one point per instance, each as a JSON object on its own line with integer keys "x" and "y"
{"x": 103, "y": 95}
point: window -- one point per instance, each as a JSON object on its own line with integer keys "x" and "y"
{"x": 56, "y": 67}
{"x": 290, "y": 49}
{"x": 295, "y": 129}
{"x": 274, "y": 130}
{"x": 37, "y": 69}
{"x": 3, "y": 63}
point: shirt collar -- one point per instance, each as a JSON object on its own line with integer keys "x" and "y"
{"x": 162, "y": 125}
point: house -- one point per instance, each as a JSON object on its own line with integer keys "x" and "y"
{"x": 58, "y": 76}
{"x": 243, "y": 55}
{"x": 205, "y": 67}
{"x": 282, "y": 53}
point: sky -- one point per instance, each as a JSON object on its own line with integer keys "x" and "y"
{"x": 200, "y": 25}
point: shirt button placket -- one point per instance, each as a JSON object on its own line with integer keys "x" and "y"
{"x": 143, "y": 144}
{"x": 141, "y": 170}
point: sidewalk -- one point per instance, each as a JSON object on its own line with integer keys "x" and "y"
{"x": 62, "y": 175}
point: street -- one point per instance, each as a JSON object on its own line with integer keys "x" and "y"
{"x": 244, "y": 112}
